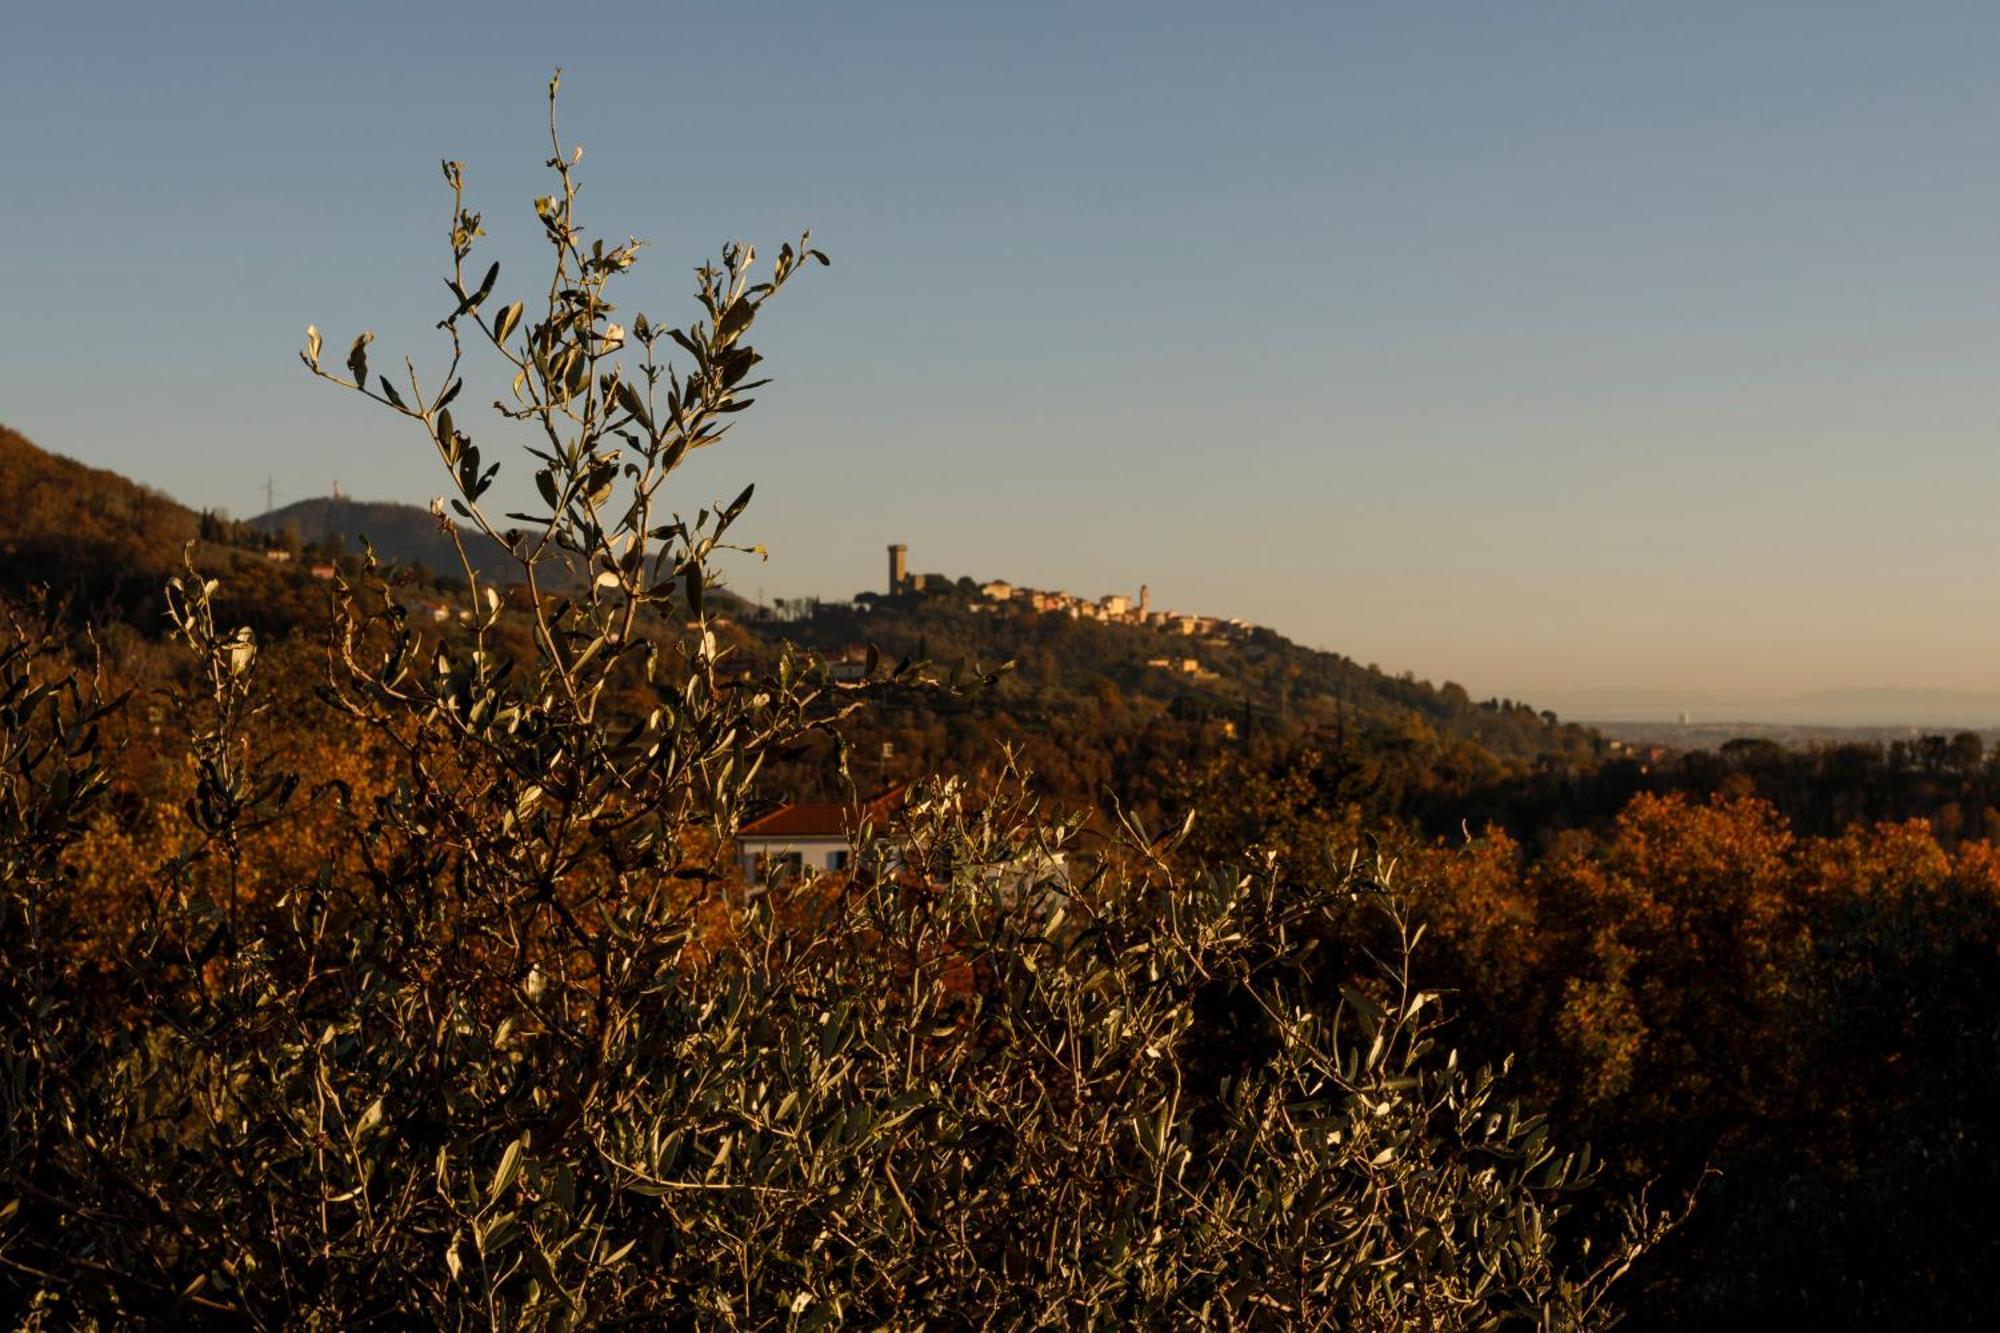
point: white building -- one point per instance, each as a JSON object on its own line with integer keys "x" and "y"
{"x": 813, "y": 837}
{"x": 798, "y": 842}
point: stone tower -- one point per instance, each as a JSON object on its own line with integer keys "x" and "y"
{"x": 899, "y": 568}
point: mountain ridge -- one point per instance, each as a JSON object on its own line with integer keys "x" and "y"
{"x": 403, "y": 533}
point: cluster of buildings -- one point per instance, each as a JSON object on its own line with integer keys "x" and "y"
{"x": 1113, "y": 608}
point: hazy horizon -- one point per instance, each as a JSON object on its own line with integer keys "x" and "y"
{"x": 1555, "y": 351}
{"x": 1857, "y": 707}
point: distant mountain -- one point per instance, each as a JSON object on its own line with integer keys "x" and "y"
{"x": 401, "y": 533}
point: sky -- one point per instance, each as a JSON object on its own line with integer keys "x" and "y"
{"x": 1558, "y": 350}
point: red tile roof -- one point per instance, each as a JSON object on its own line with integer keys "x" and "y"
{"x": 823, "y": 819}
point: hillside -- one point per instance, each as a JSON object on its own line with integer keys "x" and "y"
{"x": 104, "y": 546}
{"x": 1090, "y": 708}
{"x": 1095, "y": 708}
{"x": 103, "y": 540}
{"x": 1254, "y": 679}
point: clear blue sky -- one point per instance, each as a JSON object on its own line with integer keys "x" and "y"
{"x": 1539, "y": 347}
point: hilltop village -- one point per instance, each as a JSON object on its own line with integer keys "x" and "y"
{"x": 1113, "y": 607}
{"x": 998, "y": 596}
{"x": 1116, "y": 608}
